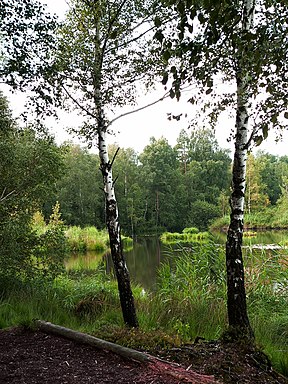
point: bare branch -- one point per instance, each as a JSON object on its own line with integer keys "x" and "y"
{"x": 4, "y": 197}
{"x": 78, "y": 104}
{"x": 114, "y": 182}
{"x": 114, "y": 157}
{"x": 139, "y": 109}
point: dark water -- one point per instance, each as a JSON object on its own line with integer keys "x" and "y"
{"x": 145, "y": 258}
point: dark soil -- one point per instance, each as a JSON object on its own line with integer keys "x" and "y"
{"x": 33, "y": 357}
{"x": 229, "y": 363}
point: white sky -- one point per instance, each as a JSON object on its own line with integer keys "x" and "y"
{"x": 136, "y": 129}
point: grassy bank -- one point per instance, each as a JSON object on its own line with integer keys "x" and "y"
{"x": 190, "y": 302}
{"x": 86, "y": 239}
{"x": 188, "y": 235}
{"x": 91, "y": 239}
{"x": 270, "y": 218}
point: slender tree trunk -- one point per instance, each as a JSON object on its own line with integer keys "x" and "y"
{"x": 112, "y": 221}
{"x": 239, "y": 324}
{"x": 111, "y": 207}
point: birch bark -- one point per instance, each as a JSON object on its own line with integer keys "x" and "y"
{"x": 236, "y": 296}
{"x": 112, "y": 216}
{"x": 113, "y": 226}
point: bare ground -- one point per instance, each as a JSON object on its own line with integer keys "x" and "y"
{"x": 34, "y": 357}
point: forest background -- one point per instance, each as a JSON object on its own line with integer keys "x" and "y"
{"x": 168, "y": 188}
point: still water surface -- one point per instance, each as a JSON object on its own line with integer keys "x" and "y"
{"x": 145, "y": 258}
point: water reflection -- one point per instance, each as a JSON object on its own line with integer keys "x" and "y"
{"x": 83, "y": 261}
{"x": 261, "y": 237}
{"x": 144, "y": 259}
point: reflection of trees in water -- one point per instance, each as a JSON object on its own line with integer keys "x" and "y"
{"x": 148, "y": 254}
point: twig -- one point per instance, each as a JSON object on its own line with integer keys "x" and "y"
{"x": 139, "y": 109}
{"x": 111, "y": 164}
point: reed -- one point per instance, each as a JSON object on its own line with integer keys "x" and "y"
{"x": 185, "y": 237}
{"x": 87, "y": 239}
{"x": 190, "y": 301}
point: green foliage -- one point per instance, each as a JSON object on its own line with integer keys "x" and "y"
{"x": 190, "y": 289}
{"x": 30, "y": 165}
{"x": 197, "y": 55}
{"x": 255, "y": 197}
{"x": 266, "y": 279}
{"x": 50, "y": 248}
{"x": 189, "y": 302}
{"x": 87, "y": 239}
{"x": 191, "y": 230}
{"x": 185, "y": 237}
{"x": 18, "y": 20}
{"x": 78, "y": 191}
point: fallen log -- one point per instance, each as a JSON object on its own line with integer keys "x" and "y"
{"x": 155, "y": 364}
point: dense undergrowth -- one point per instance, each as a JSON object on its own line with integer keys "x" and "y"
{"x": 190, "y": 302}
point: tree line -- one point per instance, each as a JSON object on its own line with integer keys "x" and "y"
{"x": 166, "y": 188}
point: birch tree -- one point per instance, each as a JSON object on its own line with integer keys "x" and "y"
{"x": 92, "y": 65}
{"x": 217, "y": 41}
{"x": 236, "y": 296}
{"x": 98, "y": 58}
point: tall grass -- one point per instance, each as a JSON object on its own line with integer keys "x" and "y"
{"x": 91, "y": 239}
{"x": 268, "y": 218}
{"x": 267, "y": 292}
{"x": 190, "y": 302}
{"x": 185, "y": 237}
{"x": 190, "y": 299}
{"x": 87, "y": 239}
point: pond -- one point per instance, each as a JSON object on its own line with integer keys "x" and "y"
{"x": 142, "y": 261}
{"x": 148, "y": 253}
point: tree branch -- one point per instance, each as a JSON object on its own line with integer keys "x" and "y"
{"x": 114, "y": 157}
{"x": 3, "y": 196}
{"x": 77, "y": 103}
{"x": 139, "y": 109}
{"x": 109, "y": 30}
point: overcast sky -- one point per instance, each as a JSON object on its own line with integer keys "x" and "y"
{"x": 136, "y": 129}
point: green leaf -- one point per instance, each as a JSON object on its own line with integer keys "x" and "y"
{"x": 258, "y": 140}
{"x": 193, "y": 13}
{"x": 201, "y": 18}
{"x": 166, "y": 55}
{"x": 113, "y": 34}
{"x": 265, "y": 131}
{"x": 157, "y": 22}
{"x": 172, "y": 93}
{"x": 286, "y": 115}
{"x": 209, "y": 83}
{"x": 181, "y": 7}
{"x": 159, "y": 36}
{"x": 208, "y": 91}
{"x": 274, "y": 119}
{"x": 165, "y": 78}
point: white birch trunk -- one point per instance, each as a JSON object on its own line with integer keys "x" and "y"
{"x": 113, "y": 226}
{"x": 236, "y": 296}
{"x": 112, "y": 217}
